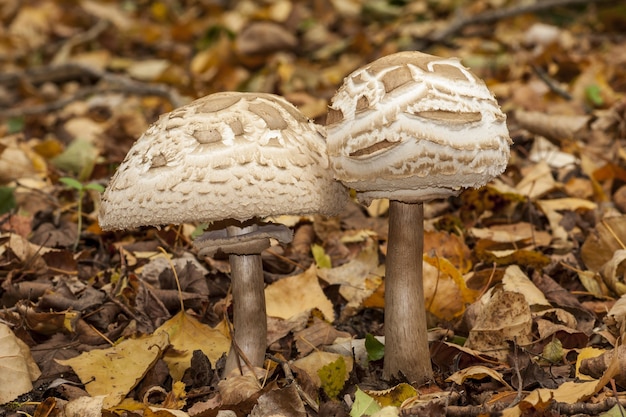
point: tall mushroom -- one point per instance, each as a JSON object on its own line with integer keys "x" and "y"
{"x": 232, "y": 158}
{"x": 413, "y": 127}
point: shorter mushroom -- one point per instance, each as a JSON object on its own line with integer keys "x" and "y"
{"x": 232, "y": 158}
{"x": 413, "y": 127}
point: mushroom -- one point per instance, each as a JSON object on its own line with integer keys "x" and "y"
{"x": 230, "y": 158}
{"x": 413, "y": 127}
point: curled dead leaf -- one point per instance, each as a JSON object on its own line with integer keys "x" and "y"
{"x": 505, "y": 317}
{"x": 613, "y": 272}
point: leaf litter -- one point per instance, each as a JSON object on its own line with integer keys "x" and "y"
{"x": 524, "y": 278}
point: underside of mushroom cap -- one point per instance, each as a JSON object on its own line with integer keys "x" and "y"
{"x": 224, "y": 156}
{"x": 413, "y": 127}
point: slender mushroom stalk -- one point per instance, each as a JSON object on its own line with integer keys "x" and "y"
{"x": 412, "y": 127}
{"x": 249, "y": 309}
{"x": 406, "y": 348}
{"x": 234, "y": 158}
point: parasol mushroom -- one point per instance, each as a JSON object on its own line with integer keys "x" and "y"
{"x": 231, "y": 158}
{"x": 413, "y": 127}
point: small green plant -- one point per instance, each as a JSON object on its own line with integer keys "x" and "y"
{"x": 7, "y": 199}
{"x": 81, "y": 188}
{"x": 375, "y": 349}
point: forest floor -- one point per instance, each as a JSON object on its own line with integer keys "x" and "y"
{"x": 524, "y": 278}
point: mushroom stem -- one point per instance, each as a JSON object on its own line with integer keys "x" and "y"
{"x": 249, "y": 315}
{"x": 406, "y": 338}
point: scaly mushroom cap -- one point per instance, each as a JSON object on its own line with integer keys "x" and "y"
{"x": 225, "y": 156}
{"x": 412, "y": 127}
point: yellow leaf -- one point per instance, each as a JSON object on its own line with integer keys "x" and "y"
{"x": 476, "y": 372}
{"x": 294, "y": 295}
{"x": 322, "y": 260}
{"x": 394, "y": 396}
{"x": 17, "y": 368}
{"x": 358, "y": 278}
{"x": 333, "y": 377}
{"x": 586, "y": 353}
{"x": 187, "y": 334}
{"x": 537, "y": 182}
{"x": 312, "y": 363}
{"x": 569, "y": 392}
{"x": 115, "y": 371}
{"x": 445, "y": 291}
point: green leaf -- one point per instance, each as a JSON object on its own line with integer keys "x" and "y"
{"x": 94, "y": 186}
{"x": 375, "y": 349}
{"x": 333, "y": 377}
{"x": 15, "y": 125}
{"x": 199, "y": 230}
{"x": 593, "y": 94}
{"x": 7, "y": 199}
{"x": 71, "y": 182}
{"x": 322, "y": 260}
{"x": 79, "y": 158}
{"x": 363, "y": 405}
{"x": 553, "y": 351}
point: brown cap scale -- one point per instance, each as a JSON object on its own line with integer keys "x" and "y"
{"x": 413, "y": 127}
{"x": 232, "y": 157}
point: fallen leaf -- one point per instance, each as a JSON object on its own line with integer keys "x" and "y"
{"x": 280, "y": 402}
{"x": 393, "y": 396}
{"x": 477, "y": 372}
{"x": 599, "y": 247}
{"x": 358, "y": 278}
{"x": 364, "y": 405}
{"x": 312, "y": 363}
{"x": 85, "y": 406}
{"x": 516, "y": 280}
{"x": 613, "y": 272}
{"x": 291, "y": 296}
{"x": 504, "y": 317}
{"x": 445, "y": 292}
{"x": 569, "y": 392}
{"x": 17, "y": 367}
{"x": 544, "y": 150}
{"x": 187, "y": 334}
{"x": 115, "y": 371}
{"x": 537, "y": 181}
{"x": 615, "y": 319}
{"x": 333, "y": 377}
{"x": 583, "y": 354}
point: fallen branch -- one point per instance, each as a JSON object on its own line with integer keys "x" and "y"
{"x": 106, "y": 82}
{"x": 559, "y": 408}
{"x": 462, "y": 21}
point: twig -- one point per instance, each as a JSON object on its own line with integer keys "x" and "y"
{"x": 462, "y": 21}
{"x": 83, "y": 37}
{"x": 110, "y": 83}
{"x": 292, "y": 380}
{"x": 552, "y": 84}
{"x": 560, "y": 408}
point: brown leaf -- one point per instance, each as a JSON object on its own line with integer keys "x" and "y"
{"x": 318, "y": 334}
{"x": 264, "y": 38}
{"x": 553, "y": 126}
{"x": 284, "y": 401}
{"x": 505, "y": 317}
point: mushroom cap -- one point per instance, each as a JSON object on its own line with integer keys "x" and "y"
{"x": 224, "y": 156}
{"x": 413, "y": 127}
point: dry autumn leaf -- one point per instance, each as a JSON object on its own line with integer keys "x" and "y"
{"x": 115, "y": 371}
{"x": 17, "y": 368}
{"x": 186, "y": 334}
{"x": 504, "y": 317}
{"x": 294, "y": 295}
